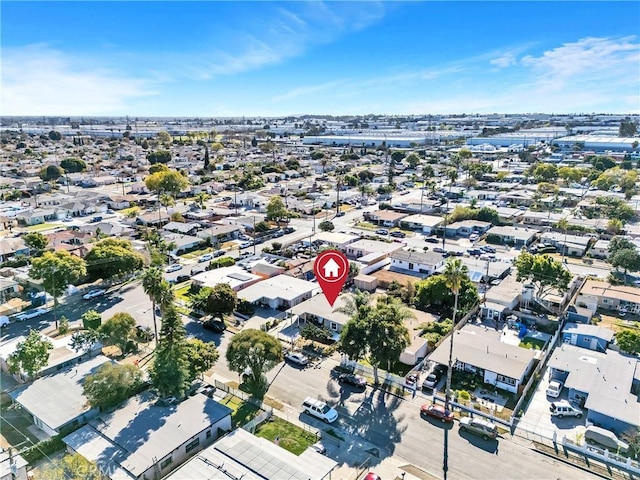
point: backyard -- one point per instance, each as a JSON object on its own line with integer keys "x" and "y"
{"x": 243, "y": 411}
{"x": 290, "y": 437}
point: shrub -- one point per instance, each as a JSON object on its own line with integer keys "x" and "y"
{"x": 63, "y": 328}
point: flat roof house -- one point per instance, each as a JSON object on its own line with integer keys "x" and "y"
{"x": 388, "y": 218}
{"x": 369, "y": 251}
{"x": 424, "y": 223}
{"x": 237, "y": 278}
{"x": 480, "y": 350}
{"x": 602, "y": 382}
{"x": 420, "y": 264}
{"x": 143, "y": 439}
{"x": 465, "y": 228}
{"x": 516, "y": 236}
{"x": 595, "y": 294}
{"x": 65, "y": 403}
{"x": 586, "y": 336}
{"x": 279, "y": 292}
{"x": 240, "y": 454}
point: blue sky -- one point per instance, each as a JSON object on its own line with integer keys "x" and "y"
{"x": 258, "y": 58}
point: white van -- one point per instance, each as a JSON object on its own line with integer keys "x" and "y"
{"x": 605, "y": 438}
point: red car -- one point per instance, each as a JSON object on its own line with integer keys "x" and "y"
{"x": 372, "y": 476}
{"x": 436, "y": 411}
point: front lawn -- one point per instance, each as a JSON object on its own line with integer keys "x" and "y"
{"x": 242, "y": 411}
{"x": 291, "y": 437}
{"x": 197, "y": 253}
{"x": 182, "y": 292}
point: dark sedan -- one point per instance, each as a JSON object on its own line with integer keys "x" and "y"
{"x": 352, "y": 379}
{"x": 436, "y": 411}
{"x": 217, "y": 326}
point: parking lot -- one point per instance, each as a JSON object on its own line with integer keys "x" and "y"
{"x": 538, "y": 420}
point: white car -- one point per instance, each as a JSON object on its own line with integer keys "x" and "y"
{"x": 173, "y": 268}
{"x": 93, "y": 293}
{"x": 563, "y": 409}
{"x": 245, "y": 244}
{"x": 297, "y": 358}
{"x": 554, "y": 389}
{"x": 205, "y": 258}
{"x": 21, "y": 317}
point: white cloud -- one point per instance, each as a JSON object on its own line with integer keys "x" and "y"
{"x": 37, "y": 80}
{"x": 507, "y": 60}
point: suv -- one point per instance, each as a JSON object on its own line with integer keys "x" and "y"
{"x": 382, "y": 231}
{"x": 477, "y": 426}
{"x": 319, "y": 409}
{"x": 564, "y": 408}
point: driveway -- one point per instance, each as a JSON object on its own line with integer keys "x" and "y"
{"x": 538, "y": 421}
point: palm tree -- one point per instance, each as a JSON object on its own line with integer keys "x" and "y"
{"x": 158, "y": 290}
{"x": 355, "y": 304}
{"x": 201, "y": 198}
{"x": 454, "y": 273}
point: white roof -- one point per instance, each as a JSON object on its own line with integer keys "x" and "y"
{"x": 235, "y": 276}
{"x": 284, "y": 287}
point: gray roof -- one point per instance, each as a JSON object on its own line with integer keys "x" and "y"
{"x": 281, "y": 286}
{"x": 319, "y": 306}
{"x": 243, "y": 455}
{"x": 62, "y": 391}
{"x": 423, "y": 258}
{"x": 135, "y": 436}
{"x": 589, "y": 330}
{"x": 482, "y": 348}
{"x": 606, "y": 377}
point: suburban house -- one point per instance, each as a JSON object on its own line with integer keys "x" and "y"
{"x": 512, "y": 235}
{"x": 420, "y": 264}
{"x": 241, "y": 455}
{"x": 387, "y": 218}
{"x": 595, "y": 294}
{"x": 280, "y": 292}
{"x": 10, "y": 247}
{"x": 13, "y": 467}
{"x": 145, "y": 439}
{"x": 236, "y": 277}
{"x": 501, "y": 299}
{"x": 318, "y": 311}
{"x": 368, "y": 250}
{"x": 60, "y": 357}
{"x": 153, "y": 219}
{"x": 591, "y": 337}
{"x": 465, "y": 228}
{"x": 335, "y": 239}
{"x": 542, "y": 219}
{"x": 578, "y": 314}
{"x": 600, "y": 249}
{"x": 183, "y": 228}
{"x": 573, "y": 245}
{"x": 183, "y": 243}
{"x": 518, "y": 197}
{"x": 426, "y": 224}
{"x": 601, "y": 382}
{"x": 220, "y": 233}
{"x": 65, "y": 404}
{"x": 480, "y": 350}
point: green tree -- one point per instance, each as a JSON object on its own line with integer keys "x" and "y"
{"x": 158, "y": 167}
{"x": 91, "y": 320}
{"x": 167, "y": 181}
{"x": 119, "y": 329}
{"x": 51, "y": 173}
{"x": 255, "y": 350}
{"x": 170, "y": 371}
{"x": 111, "y": 384}
{"x": 376, "y": 334}
{"x": 57, "y": 270}
{"x": 55, "y": 136}
{"x": 70, "y": 467}
{"x": 627, "y": 259}
{"x": 158, "y": 290}
{"x": 201, "y": 199}
{"x": 619, "y": 243}
{"x": 73, "y": 165}
{"x": 628, "y": 341}
{"x": 412, "y": 160}
{"x": 326, "y": 226}
{"x": 544, "y": 172}
{"x": 30, "y": 355}
{"x": 218, "y": 301}
{"x": 113, "y": 257}
{"x": 615, "y": 226}
{"x": 545, "y": 273}
{"x": 276, "y": 209}
{"x": 628, "y": 128}
{"x": 85, "y": 340}
{"x": 161, "y": 156}
{"x": 434, "y": 292}
{"x": 35, "y": 241}
{"x": 202, "y": 356}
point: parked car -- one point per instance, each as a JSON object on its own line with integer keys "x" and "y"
{"x": 480, "y": 427}
{"x": 319, "y": 409}
{"x": 218, "y": 253}
{"x": 319, "y": 447}
{"x": 173, "y": 268}
{"x": 436, "y": 411}
{"x": 245, "y": 244}
{"x": 488, "y": 249}
{"x": 563, "y": 409}
{"x": 182, "y": 278}
{"x": 431, "y": 240}
{"x": 431, "y": 381}
{"x": 382, "y": 231}
{"x": 473, "y": 237}
{"x": 352, "y": 379}
{"x": 205, "y": 258}
{"x": 340, "y": 214}
{"x": 4, "y": 321}
{"x": 289, "y": 230}
{"x": 554, "y": 389}
{"x": 28, "y": 315}
{"x": 297, "y": 358}
{"x": 605, "y": 438}
{"x": 216, "y": 325}
{"x": 439, "y": 250}
{"x": 372, "y": 476}
{"x": 93, "y": 293}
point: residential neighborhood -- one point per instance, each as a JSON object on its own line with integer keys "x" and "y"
{"x": 161, "y": 317}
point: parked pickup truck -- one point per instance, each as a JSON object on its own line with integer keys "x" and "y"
{"x": 319, "y": 409}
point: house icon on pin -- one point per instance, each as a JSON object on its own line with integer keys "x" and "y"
{"x": 331, "y": 269}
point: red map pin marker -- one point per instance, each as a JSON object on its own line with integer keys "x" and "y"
{"x": 331, "y": 268}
